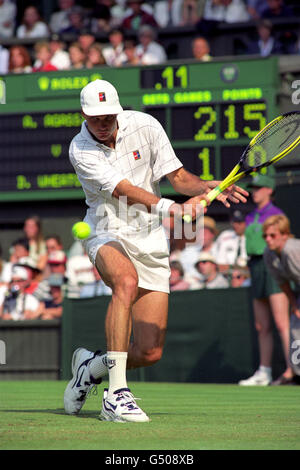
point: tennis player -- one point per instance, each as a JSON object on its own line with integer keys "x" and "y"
{"x": 119, "y": 157}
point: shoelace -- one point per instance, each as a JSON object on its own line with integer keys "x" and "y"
{"x": 130, "y": 400}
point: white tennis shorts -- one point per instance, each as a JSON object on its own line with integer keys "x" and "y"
{"x": 149, "y": 255}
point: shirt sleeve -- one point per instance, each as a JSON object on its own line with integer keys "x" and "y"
{"x": 94, "y": 173}
{"x": 164, "y": 158}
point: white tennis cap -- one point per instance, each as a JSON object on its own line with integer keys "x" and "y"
{"x": 100, "y": 97}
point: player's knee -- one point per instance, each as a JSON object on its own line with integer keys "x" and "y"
{"x": 127, "y": 288}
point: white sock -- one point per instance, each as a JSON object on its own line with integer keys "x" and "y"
{"x": 116, "y": 363}
{"x": 98, "y": 367}
{"x": 266, "y": 370}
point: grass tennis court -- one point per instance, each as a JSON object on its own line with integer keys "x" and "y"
{"x": 183, "y": 416}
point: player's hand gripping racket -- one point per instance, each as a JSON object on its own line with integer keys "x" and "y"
{"x": 276, "y": 140}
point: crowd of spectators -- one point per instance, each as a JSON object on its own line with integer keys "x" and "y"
{"x": 129, "y": 31}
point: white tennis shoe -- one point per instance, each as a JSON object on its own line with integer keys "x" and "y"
{"x": 80, "y": 385}
{"x": 258, "y": 378}
{"x": 121, "y": 407}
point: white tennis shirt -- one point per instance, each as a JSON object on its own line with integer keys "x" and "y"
{"x": 143, "y": 155}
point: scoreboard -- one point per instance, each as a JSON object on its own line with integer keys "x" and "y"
{"x": 210, "y": 111}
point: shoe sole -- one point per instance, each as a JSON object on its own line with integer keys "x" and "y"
{"x": 105, "y": 416}
{"x": 71, "y": 383}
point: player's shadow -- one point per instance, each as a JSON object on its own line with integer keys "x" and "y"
{"x": 57, "y": 411}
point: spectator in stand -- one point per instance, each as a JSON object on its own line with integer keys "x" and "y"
{"x": 37, "y": 248}
{"x": 53, "y": 307}
{"x": 79, "y": 272}
{"x": 105, "y": 16}
{"x": 231, "y": 244}
{"x": 4, "y": 60}
{"x": 77, "y": 56}
{"x": 19, "y": 249}
{"x": 240, "y": 276}
{"x": 78, "y": 21}
{"x": 114, "y": 53}
{"x": 201, "y": 49}
{"x": 86, "y": 40}
{"x": 256, "y": 7}
{"x": 59, "y": 56}
{"x": 138, "y": 17}
{"x": 60, "y": 20}
{"x": 191, "y": 12}
{"x": 277, "y": 9}
{"x": 95, "y": 57}
{"x": 32, "y": 25}
{"x": 19, "y": 60}
{"x": 210, "y": 278}
{"x": 53, "y": 243}
{"x": 34, "y": 273}
{"x": 177, "y": 281}
{"x": 203, "y": 242}
{"x": 266, "y": 43}
{"x": 131, "y": 57}
{"x": 7, "y": 18}
{"x": 57, "y": 261}
{"x": 43, "y": 56}
{"x": 148, "y": 50}
{"x": 229, "y": 11}
{"x": 17, "y": 304}
{"x": 268, "y": 299}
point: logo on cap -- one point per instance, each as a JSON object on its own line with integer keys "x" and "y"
{"x": 136, "y": 155}
{"x": 102, "y": 97}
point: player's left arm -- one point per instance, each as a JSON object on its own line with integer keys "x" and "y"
{"x": 189, "y": 184}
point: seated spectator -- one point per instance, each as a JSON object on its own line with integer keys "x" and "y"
{"x": 19, "y": 60}
{"x": 229, "y": 11}
{"x": 19, "y": 249}
{"x": 53, "y": 243}
{"x": 105, "y": 16}
{"x": 256, "y": 7}
{"x": 201, "y": 49}
{"x": 130, "y": 56}
{"x": 266, "y": 43}
{"x": 277, "y": 9}
{"x": 43, "y": 58}
{"x": 204, "y": 242}
{"x": 59, "y": 56}
{"x": 240, "y": 276}
{"x": 177, "y": 281}
{"x": 7, "y": 18}
{"x": 57, "y": 261}
{"x": 18, "y": 305}
{"x": 59, "y": 20}
{"x": 53, "y": 308}
{"x": 210, "y": 276}
{"x": 86, "y": 39}
{"x": 114, "y": 53}
{"x": 191, "y": 12}
{"x": 95, "y": 57}
{"x": 32, "y": 25}
{"x": 148, "y": 50}
{"x": 77, "y": 56}
{"x": 79, "y": 272}
{"x": 138, "y": 17}
{"x": 37, "y": 248}
{"x": 231, "y": 243}
{"x": 4, "y": 60}
{"x": 34, "y": 273}
{"x": 77, "y": 20}
{"x": 3, "y": 285}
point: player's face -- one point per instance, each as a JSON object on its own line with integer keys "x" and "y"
{"x": 103, "y": 127}
{"x": 274, "y": 238}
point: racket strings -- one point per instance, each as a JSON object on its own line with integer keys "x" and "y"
{"x": 272, "y": 141}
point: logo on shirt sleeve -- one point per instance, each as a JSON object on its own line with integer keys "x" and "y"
{"x": 102, "y": 96}
{"x": 136, "y": 155}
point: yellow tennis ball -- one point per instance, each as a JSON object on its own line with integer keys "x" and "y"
{"x": 81, "y": 230}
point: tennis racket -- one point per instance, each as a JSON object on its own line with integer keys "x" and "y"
{"x": 276, "y": 140}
